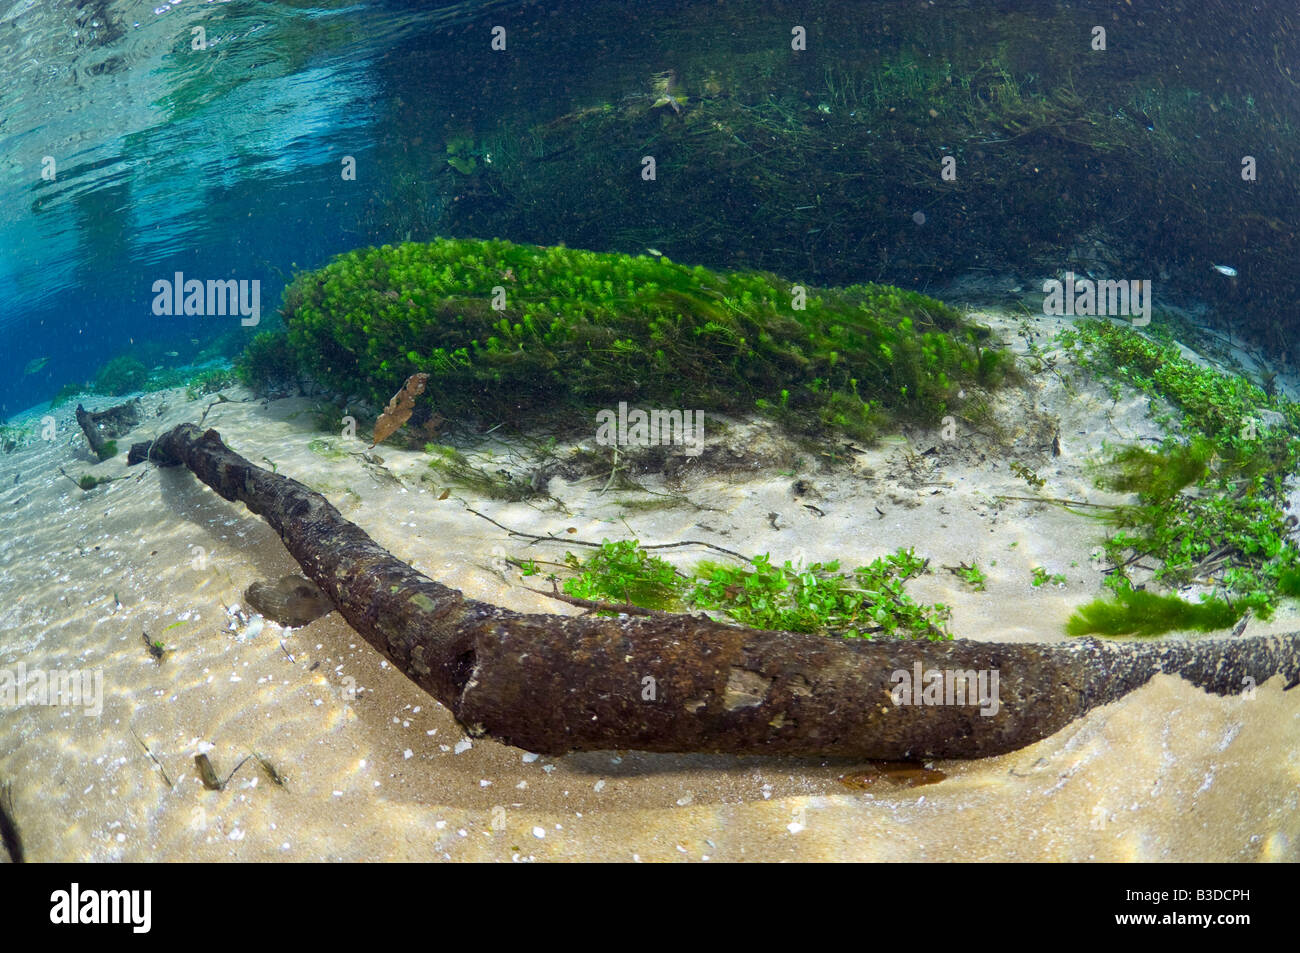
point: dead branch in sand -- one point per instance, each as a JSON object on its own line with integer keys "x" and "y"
{"x": 553, "y": 684}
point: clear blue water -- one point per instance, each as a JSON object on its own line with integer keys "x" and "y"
{"x": 128, "y": 156}
{"x": 225, "y": 162}
{"x": 215, "y": 163}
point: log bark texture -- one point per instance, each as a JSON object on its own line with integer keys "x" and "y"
{"x": 105, "y": 425}
{"x": 554, "y": 684}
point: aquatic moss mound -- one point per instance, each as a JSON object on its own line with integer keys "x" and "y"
{"x": 580, "y": 331}
{"x": 121, "y": 375}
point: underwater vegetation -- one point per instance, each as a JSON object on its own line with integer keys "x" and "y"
{"x": 521, "y": 333}
{"x": 88, "y": 482}
{"x": 1210, "y": 497}
{"x": 972, "y": 575}
{"x": 266, "y": 363}
{"x": 1138, "y": 612}
{"x": 208, "y": 382}
{"x": 121, "y": 375}
{"x": 868, "y": 602}
{"x": 66, "y": 393}
{"x": 818, "y": 165}
{"x": 126, "y": 374}
{"x": 451, "y": 466}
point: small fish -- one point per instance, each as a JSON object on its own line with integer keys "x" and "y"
{"x": 35, "y": 364}
{"x": 171, "y": 354}
{"x": 655, "y": 252}
{"x": 1226, "y": 270}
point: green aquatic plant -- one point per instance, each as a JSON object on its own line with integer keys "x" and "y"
{"x": 107, "y": 450}
{"x": 67, "y": 392}
{"x": 870, "y": 601}
{"x": 1211, "y": 403}
{"x": 1138, "y": 612}
{"x": 623, "y": 572}
{"x": 208, "y": 382}
{"x": 453, "y": 467}
{"x": 326, "y": 449}
{"x": 1028, "y": 475}
{"x": 11, "y": 435}
{"x": 268, "y": 363}
{"x": 1211, "y": 497}
{"x": 549, "y": 335}
{"x": 973, "y": 576}
{"x": 121, "y": 375}
{"x": 1041, "y": 577}
{"x": 1155, "y": 475}
{"x": 462, "y": 155}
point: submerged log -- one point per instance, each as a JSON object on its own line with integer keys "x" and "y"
{"x": 554, "y": 684}
{"x": 102, "y": 427}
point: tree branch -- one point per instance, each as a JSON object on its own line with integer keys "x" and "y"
{"x": 553, "y": 684}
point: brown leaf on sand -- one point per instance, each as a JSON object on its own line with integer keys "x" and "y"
{"x": 399, "y": 408}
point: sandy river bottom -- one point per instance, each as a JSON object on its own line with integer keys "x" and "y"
{"x": 376, "y": 770}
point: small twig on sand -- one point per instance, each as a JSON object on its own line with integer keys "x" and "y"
{"x": 1057, "y": 500}
{"x": 154, "y": 759}
{"x": 99, "y": 481}
{"x": 612, "y": 473}
{"x": 221, "y": 399}
{"x": 1126, "y": 563}
{"x": 593, "y": 606}
{"x": 579, "y": 542}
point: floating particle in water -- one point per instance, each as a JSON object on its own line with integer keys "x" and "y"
{"x": 918, "y": 217}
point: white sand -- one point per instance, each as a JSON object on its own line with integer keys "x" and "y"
{"x": 1167, "y": 773}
